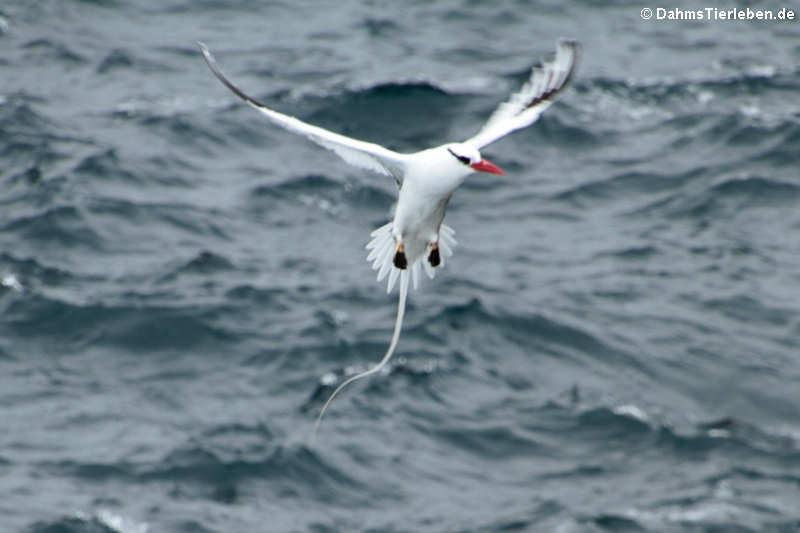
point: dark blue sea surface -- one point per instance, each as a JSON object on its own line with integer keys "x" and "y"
{"x": 614, "y": 346}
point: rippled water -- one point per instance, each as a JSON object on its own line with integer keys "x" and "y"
{"x": 614, "y": 346}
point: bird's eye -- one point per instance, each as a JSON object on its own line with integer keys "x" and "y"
{"x": 464, "y": 159}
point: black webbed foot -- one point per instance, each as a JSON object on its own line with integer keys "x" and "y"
{"x": 433, "y": 257}
{"x": 400, "y": 260}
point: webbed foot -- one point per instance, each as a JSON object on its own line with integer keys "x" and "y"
{"x": 433, "y": 257}
{"x": 400, "y": 260}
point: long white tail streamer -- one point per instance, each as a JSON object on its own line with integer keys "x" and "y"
{"x": 398, "y": 325}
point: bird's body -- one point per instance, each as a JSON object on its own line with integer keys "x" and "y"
{"x": 417, "y": 238}
{"x": 431, "y": 178}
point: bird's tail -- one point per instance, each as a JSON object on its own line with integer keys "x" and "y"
{"x": 398, "y": 325}
{"x": 382, "y": 249}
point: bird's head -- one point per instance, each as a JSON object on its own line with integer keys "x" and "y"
{"x": 470, "y": 156}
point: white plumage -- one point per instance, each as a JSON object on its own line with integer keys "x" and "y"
{"x": 416, "y": 238}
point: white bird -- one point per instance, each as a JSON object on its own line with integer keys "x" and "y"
{"x": 416, "y": 238}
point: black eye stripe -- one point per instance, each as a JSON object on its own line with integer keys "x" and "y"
{"x": 464, "y": 159}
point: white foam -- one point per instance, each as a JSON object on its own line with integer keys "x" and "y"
{"x": 762, "y": 71}
{"x": 113, "y": 521}
{"x": 12, "y": 282}
{"x": 120, "y": 523}
{"x": 631, "y": 411}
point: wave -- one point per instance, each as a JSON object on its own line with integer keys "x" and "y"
{"x": 180, "y": 129}
{"x": 33, "y": 272}
{"x": 257, "y": 296}
{"x": 200, "y": 471}
{"x": 401, "y": 116}
{"x": 747, "y": 309}
{"x": 206, "y": 262}
{"x": 114, "y": 60}
{"x": 630, "y": 428}
{"x": 121, "y": 221}
{"x": 725, "y": 82}
{"x": 102, "y": 521}
{"x": 754, "y": 141}
{"x": 36, "y": 153}
{"x": 17, "y": 116}
{"x": 60, "y": 226}
{"x": 704, "y": 190}
{"x": 5, "y": 356}
{"x": 531, "y": 332}
{"x": 325, "y": 193}
{"x": 674, "y": 117}
{"x": 122, "y": 59}
{"x": 128, "y": 327}
{"x": 105, "y": 165}
{"x": 757, "y": 190}
{"x": 726, "y": 198}
{"x": 492, "y": 442}
{"x": 626, "y": 184}
{"x": 411, "y": 90}
{"x": 41, "y": 51}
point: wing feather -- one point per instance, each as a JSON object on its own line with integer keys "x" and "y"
{"x": 524, "y": 107}
{"x": 357, "y": 153}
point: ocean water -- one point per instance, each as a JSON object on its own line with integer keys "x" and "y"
{"x": 614, "y": 346}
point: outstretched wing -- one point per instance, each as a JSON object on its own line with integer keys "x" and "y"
{"x": 358, "y": 153}
{"x": 524, "y": 107}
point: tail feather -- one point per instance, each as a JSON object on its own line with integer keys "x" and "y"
{"x": 381, "y": 244}
{"x": 376, "y": 252}
{"x": 382, "y": 247}
{"x": 381, "y": 254}
{"x": 393, "y": 275}
{"x": 446, "y": 241}
{"x": 429, "y": 270}
{"x": 398, "y": 325}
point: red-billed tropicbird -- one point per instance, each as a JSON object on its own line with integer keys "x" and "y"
{"x": 416, "y": 238}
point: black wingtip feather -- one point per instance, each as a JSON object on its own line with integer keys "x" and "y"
{"x": 212, "y": 64}
{"x": 575, "y": 47}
